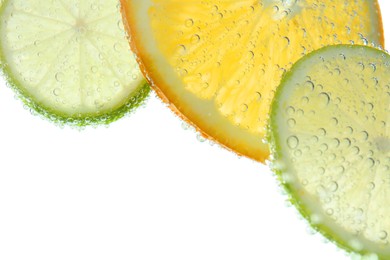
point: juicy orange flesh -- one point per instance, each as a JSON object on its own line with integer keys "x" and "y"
{"x": 235, "y": 52}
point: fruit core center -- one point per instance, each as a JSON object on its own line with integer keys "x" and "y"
{"x": 80, "y": 26}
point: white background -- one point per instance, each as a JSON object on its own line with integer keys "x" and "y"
{"x": 141, "y": 189}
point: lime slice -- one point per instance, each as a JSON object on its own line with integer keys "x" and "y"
{"x": 330, "y": 139}
{"x": 70, "y": 60}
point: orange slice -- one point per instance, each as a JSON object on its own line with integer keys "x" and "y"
{"x": 217, "y": 63}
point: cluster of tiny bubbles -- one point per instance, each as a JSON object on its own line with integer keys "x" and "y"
{"x": 363, "y": 39}
{"x": 199, "y": 136}
{"x": 96, "y": 6}
{"x": 368, "y": 256}
{"x": 313, "y": 220}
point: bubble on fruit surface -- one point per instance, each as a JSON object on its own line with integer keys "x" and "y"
{"x": 59, "y": 76}
{"x": 383, "y": 235}
{"x": 309, "y": 86}
{"x": 189, "y": 22}
{"x": 292, "y": 142}
{"x": 324, "y": 98}
{"x": 56, "y": 91}
{"x": 291, "y": 122}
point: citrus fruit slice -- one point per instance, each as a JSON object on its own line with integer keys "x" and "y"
{"x": 70, "y": 60}
{"x": 218, "y": 62}
{"x": 330, "y": 138}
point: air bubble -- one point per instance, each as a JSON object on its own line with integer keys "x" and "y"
{"x": 291, "y": 122}
{"x": 337, "y": 71}
{"x": 189, "y": 23}
{"x": 185, "y": 126}
{"x": 356, "y": 244}
{"x": 332, "y": 156}
{"x": 333, "y": 186}
{"x": 59, "y": 76}
{"x": 322, "y": 132}
{"x": 316, "y": 219}
{"x": 363, "y": 136}
{"x": 259, "y": 96}
{"x": 287, "y": 40}
{"x": 360, "y": 66}
{"x": 305, "y": 100}
{"x": 182, "y": 49}
{"x": 117, "y": 47}
{"x": 290, "y": 110}
{"x": 346, "y": 142}
{"x": 324, "y": 98}
{"x": 56, "y": 92}
{"x": 370, "y": 162}
{"x": 355, "y": 150}
{"x": 304, "y": 34}
{"x": 365, "y": 41}
{"x": 324, "y": 147}
{"x": 195, "y": 38}
{"x": 120, "y": 26}
{"x": 300, "y": 112}
{"x": 200, "y": 138}
{"x": 314, "y": 139}
{"x": 370, "y": 106}
{"x": 349, "y": 130}
{"x": 298, "y": 153}
{"x": 340, "y": 169}
{"x": 335, "y": 142}
{"x": 292, "y": 142}
{"x": 251, "y": 54}
{"x": 375, "y": 81}
{"x": 284, "y": 14}
{"x": 329, "y": 212}
{"x": 383, "y": 235}
{"x": 373, "y": 67}
{"x": 309, "y": 85}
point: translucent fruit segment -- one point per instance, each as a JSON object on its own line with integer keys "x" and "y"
{"x": 330, "y": 136}
{"x": 219, "y": 62}
{"x": 70, "y": 60}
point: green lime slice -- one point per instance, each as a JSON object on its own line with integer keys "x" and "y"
{"x": 329, "y": 130}
{"x": 70, "y": 60}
